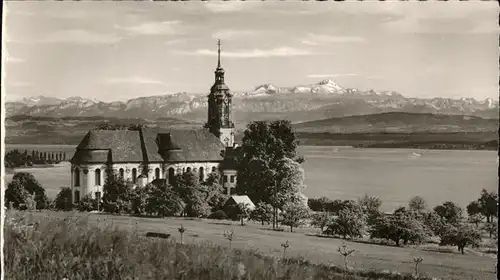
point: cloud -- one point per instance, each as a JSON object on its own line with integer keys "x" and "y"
{"x": 276, "y": 52}
{"x": 80, "y": 36}
{"x": 320, "y": 39}
{"x": 154, "y": 28}
{"x": 11, "y": 59}
{"x": 228, "y": 6}
{"x": 330, "y": 75}
{"x": 18, "y": 84}
{"x": 228, "y": 34}
{"x": 135, "y": 80}
{"x": 174, "y": 41}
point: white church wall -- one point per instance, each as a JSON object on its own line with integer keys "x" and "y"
{"x": 88, "y": 184}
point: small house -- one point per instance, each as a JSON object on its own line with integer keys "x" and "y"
{"x": 237, "y": 199}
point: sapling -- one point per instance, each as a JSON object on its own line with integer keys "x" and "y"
{"x": 345, "y": 252}
{"x": 417, "y": 262}
{"x": 285, "y": 246}
{"x": 229, "y": 235}
{"x": 181, "y": 230}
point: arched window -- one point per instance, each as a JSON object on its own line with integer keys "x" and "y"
{"x": 171, "y": 174}
{"x": 122, "y": 173}
{"x": 188, "y": 170}
{"x": 214, "y": 169}
{"x": 98, "y": 177}
{"x": 77, "y": 197}
{"x": 134, "y": 175}
{"x": 77, "y": 177}
{"x": 157, "y": 173}
{"x": 202, "y": 174}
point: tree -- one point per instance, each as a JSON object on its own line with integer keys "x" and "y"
{"x": 214, "y": 192}
{"x": 188, "y": 187}
{"x": 264, "y": 145}
{"x": 263, "y": 213}
{"x": 349, "y": 223}
{"x": 294, "y": 214}
{"x": 28, "y": 182}
{"x": 449, "y": 212}
{"x": 475, "y": 219}
{"x": 488, "y": 203}
{"x": 16, "y": 196}
{"x": 319, "y": 204}
{"x": 417, "y": 203}
{"x": 117, "y": 197}
{"x": 491, "y": 228}
{"x": 462, "y": 235}
{"x": 163, "y": 201}
{"x": 320, "y": 220}
{"x": 473, "y": 208}
{"x": 402, "y": 225}
{"x": 370, "y": 205}
{"x": 243, "y": 212}
{"x": 63, "y": 200}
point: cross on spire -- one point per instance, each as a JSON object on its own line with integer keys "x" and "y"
{"x": 218, "y": 53}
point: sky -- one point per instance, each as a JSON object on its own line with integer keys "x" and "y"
{"x": 120, "y": 50}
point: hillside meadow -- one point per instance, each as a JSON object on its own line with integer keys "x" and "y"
{"x": 97, "y": 246}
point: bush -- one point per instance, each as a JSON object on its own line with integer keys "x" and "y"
{"x": 402, "y": 225}
{"x": 87, "y": 204}
{"x": 23, "y": 185}
{"x": 62, "y": 201}
{"x": 320, "y": 220}
{"x": 349, "y": 223}
{"x": 218, "y": 215}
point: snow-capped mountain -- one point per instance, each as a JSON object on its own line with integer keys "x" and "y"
{"x": 321, "y": 100}
{"x": 40, "y": 100}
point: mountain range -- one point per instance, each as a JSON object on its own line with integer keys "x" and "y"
{"x": 302, "y": 103}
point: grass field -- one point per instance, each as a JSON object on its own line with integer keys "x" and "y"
{"x": 472, "y": 265}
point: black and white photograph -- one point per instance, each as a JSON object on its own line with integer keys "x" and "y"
{"x": 250, "y": 140}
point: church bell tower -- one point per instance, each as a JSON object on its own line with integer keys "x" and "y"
{"x": 219, "y": 107}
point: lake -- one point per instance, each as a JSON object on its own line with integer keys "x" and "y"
{"x": 395, "y": 175}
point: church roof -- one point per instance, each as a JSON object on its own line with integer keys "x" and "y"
{"x": 149, "y": 145}
{"x": 124, "y": 145}
{"x": 190, "y": 145}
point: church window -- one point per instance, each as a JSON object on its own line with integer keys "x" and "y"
{"x": 232, "y": 179}
{"x": 225, "y": 178}
{"x": 134, "y": 175}
{"x": 122, "y": 173}
{"x": 77, "y": 196}
{"x": 171, "y": 174}
{"x": 188, "y": 170}
{"x": 77, "y": 177}
{"x": 202, "y": 174}
{"x": 98, "y": 177}
{"x": 157, "y": 173}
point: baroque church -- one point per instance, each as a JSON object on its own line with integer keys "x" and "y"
{"x": 141, "y": 156}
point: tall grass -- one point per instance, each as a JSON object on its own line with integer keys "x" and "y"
{"x": 52, "y": 248}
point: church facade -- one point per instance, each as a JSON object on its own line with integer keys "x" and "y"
{"x": 143, "y": 155}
